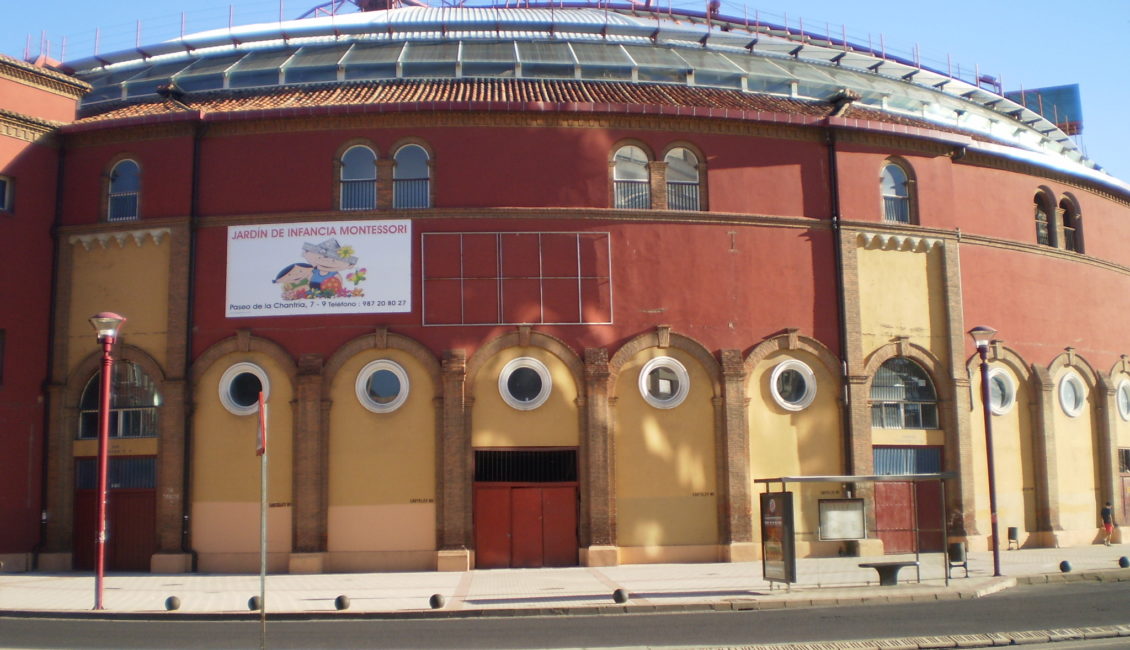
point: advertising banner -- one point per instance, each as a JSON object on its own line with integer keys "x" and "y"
{"x": 305, "y": 269}
{"x": 778, "y": 553}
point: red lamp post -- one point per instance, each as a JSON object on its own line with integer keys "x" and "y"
{"x": 982, "y": 336}
{"x": 107, "y": 325}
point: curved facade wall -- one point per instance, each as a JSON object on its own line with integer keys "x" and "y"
{"x": 602, "y": 384}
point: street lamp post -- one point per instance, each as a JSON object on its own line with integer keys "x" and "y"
{"x": 107, "y": 325}
{"x": 982, "y": 336}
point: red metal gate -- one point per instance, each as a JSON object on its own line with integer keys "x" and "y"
{"x": 131, "y": 538}
{"x": 525, "y": 526}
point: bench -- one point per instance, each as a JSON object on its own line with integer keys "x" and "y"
{"x": 888, "y": 571}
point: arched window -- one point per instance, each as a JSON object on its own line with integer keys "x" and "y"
{"x": 1072, "y": 225}
{"x": 359, "y": 179}
{"x": 1045, "y": 227}
{"x": 631, "y": 187}
{"x": 125, "y": 188}
{"x": 133, "y": 403}
{"x": 411, "y": 178}
{"x": 903, "y": 397}
{"x": 682, "y": 179}
{"x": 895, "y": 187}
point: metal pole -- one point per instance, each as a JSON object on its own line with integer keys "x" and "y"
{"x": 103, "y": 467}
{"x": 983, "y": 351}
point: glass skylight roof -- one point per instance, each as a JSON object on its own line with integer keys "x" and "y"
{"x": 556, "y": 43}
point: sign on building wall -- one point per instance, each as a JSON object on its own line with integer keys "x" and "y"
{"x": 778, "y": 553}
{"x": 303, "y": 269}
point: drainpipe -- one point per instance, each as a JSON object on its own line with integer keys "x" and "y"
{"x": 841, "y": 297}
{"x": 190, "y": 295}
{"x": 45, "y": 461}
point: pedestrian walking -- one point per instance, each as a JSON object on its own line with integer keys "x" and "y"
{"x": 1107, "y": 515}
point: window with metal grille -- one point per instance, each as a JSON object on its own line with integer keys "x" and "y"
{"x": 123, "y": 472}
{"x": 133, "y": 403}
{"x": 411, "y": 178}
{"x": 907, "y": 460}
{"x": 526, "y": 465}
{"x": 359, "y": 179}
{"x": 630, "y": 179}
{"x": 895, "y": 186}
{"x": 125, "y": 188}
{"x": 682, "y": 179}
{"x": 903, "y": 397}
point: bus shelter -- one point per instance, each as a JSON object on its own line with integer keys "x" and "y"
{"x": 840, "y": 519}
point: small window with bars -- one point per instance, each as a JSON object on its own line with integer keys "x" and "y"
{"x": 123, "y": 473}
{"x": 1124, "y": 461}
{"x": 526, "y": 465}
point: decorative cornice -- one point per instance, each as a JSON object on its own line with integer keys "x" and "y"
{"x": 897, "y": 242}
{"x": 23, "y": 127}
{"x": 42, "y": 78}
{"x": 104, "y": 238}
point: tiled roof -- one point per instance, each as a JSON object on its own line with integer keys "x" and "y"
{"x": 494, "y": 91}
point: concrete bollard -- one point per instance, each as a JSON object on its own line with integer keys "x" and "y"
{"x": 254, "y": 604}
{"x": 172, "y": 603}
{"x": 341, "y": 602}
{"x": 1124, "y": 562}
{"x": 620, "y": 596}
{"x": 1065, "y": 566}
{"x": 436, "y": 601}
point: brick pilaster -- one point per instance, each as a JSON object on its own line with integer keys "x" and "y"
{"x": 454, "y": 478}
{"x": 736, "y": 498}
{"x": 310, "y": 458}
{"x": 598, "y": 466}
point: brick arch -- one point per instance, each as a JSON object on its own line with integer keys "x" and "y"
{"x": 244, "y": 342}
{"x": 920, "y": 355}
{"x": 382, "y": 340}
{"x": 1007, "y": 357}
{"x": 631, "y": 142}
{"x": 524, "y": 337}
{"x": 663, "y": 338}
{"x": 791, "y": 341}
{"x": 1069, "y": 359}
{"x": 85, "y": 369}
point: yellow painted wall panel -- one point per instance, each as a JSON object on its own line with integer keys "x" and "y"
{"x": 382, "y": 458}
{"x": 234, "y": 528}
{"x": 494, "y": 423}
{"x": 225, "y": 467}
{"x": 666, "y": 483}
{"x": 1079, "y": 501}
{"x": 1013, "y": 460}
{"x": 382, "y": 528}
{"x": 129, "y": 279}
{"x": 647, "y": 521}
{"x": 902, "y": 293}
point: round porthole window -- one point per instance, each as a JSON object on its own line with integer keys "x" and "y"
{"x": 240, "y": 386}
{"x": 664, "y": 382}
{"x": 524, "y": 383}
{"x": 382, "y": 386}
{"x": 1123, "y": 396}
{"x": 1002, "y": 391}
{"x": 1071, "y": 394}
{"x": 793, "y": 385}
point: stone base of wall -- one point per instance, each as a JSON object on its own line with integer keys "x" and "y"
{"x": 600, "y": 556}
{"x": 307, "y": 563}
{"x": 15, "y": 562}
{"x": 55, "y": 562}
{"x": 455, "y": 560}
{"x": 670, "y": 554}
{"x": 742, "y": 552}
{"x": 171, "y": 563}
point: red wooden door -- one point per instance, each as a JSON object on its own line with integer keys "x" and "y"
{"x": 525, "y": 526}
{"x": 492, "y": 527}
{"x": 929, "y": 494}
{"x": 131, "y": 537}
{"x": 894, "y": 516}
{"x": 559, "y": 526}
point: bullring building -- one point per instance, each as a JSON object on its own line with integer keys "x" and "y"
{"x": 544, "y": 286}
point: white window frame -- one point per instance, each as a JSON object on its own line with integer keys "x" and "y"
{"x": 513, "y": 366}
{"x": 1123, "y": 390}
{"x": 681, "y": 376}
{"x": 1072, "y": 410}
{"x": 225, "y": 387}
{"x": 809, "y": 385}
{"x": 1009, "y": 398}
{"x": 362, "y": 385}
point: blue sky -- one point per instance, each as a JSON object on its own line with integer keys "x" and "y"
{"x": 1026, "y": 45}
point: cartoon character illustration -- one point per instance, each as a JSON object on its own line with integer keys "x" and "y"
{"x": 295, "y": 281}
{"x": 328, "y": 259}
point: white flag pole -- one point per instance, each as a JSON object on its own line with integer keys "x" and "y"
{"x": 261, "y": 451}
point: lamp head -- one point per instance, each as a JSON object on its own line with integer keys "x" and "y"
{"x": 107, "y": 324}
{"x": 982, "y": 335}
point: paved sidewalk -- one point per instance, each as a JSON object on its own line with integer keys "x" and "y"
{"x": 576, "y": 590}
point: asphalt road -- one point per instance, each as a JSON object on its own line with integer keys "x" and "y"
{"x": 1078, "y": 604}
